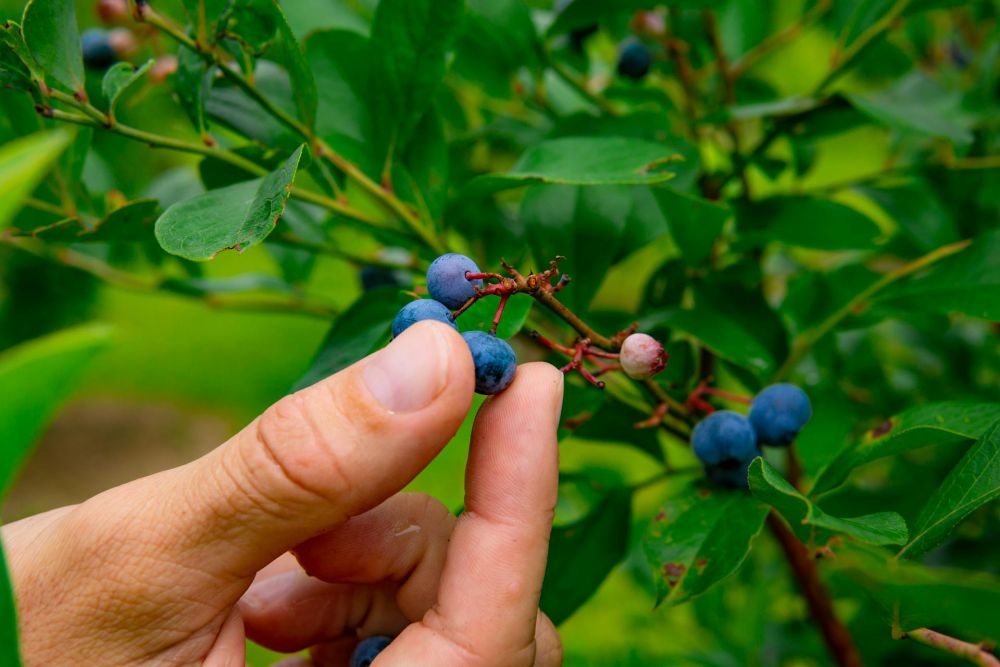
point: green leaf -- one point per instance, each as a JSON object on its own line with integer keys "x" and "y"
{"x": 232, "y": 218}
{"x": 9, "y": 653}
{"x": 118, "y": 79}
{"x": 614, "y": 422}
{"x": 480, "y": 316}
{"x": 583, "y": 553}
{"x": 813, "y": 525}
{"x": 35, "y": 377}
{"x": 913, "y": 596}
{"x": 288, "y": 52}
{"x": 920, "y": 105}
{"x": 13, "y": 72}
{"x": 921, "y": 215}
{"x": 700, "y": 537}
{"x": 49, "y": 29}
{"x": 580, "y": 161}
{"x": 807, "y": 222}
{"x": 410, "y": 41}
{"x": 695, "y": 223}
{"x": 129, "y": 223}
{"x": 582, "y": 224}
{"x": 967, "y": 282}
{"x": 192, "y": 83}
{"x": 935, "y": 423}
{"x": 725, "y": 336}
{"x": 499, "y": 33}
{"x": 23, "y": 164}
{"x": 10, "y": 32}
{"x": 973, "y": 482}
{"x": 358, "y": 332}
{"x": 342, "y": 63}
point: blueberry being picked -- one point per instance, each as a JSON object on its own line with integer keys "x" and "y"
{"x": 494, "y": 359}
{"x": 446, "y": 281}
{"x": 368, "y": 649}
{"x": 634, "y": 60}
{"x": 725, "y": 443}
{"x": 418, "y": 310}
{"x": 778, "y": 413}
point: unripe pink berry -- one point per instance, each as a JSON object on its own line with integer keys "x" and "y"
{"x": 642, "y": 356}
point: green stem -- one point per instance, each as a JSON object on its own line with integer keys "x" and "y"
{"x": 807, "y": 339}
{"x": 579, "y": 85}
{"x": 974, "y": 653}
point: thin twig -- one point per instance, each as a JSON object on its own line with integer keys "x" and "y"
{"x": 977, "y": 654}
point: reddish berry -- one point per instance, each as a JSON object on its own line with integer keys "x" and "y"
{"x": 642, "y": 356}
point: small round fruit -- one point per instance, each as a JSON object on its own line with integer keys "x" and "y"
{"x": 368, "y": 649}
{"x": 113, "y": 11}
{"x": 634, "y": 60}
{"x": 97, "y": 50}
{"x": 642, "y": 356}
{"x": 778, "y": 413}
{"x": 446, "y": 281}
{"x": 419, "y": 310}
{"x": 494, "y": 360}
{"x": 724, "y": 435}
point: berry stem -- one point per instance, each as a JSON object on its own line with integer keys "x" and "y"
{"x": 977, "y": 654}
{"x": 499, "y": 313}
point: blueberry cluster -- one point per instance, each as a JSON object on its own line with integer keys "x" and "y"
{"x": 726, "y": 441}
{"x": 368, "y": 649}
{"x": 449, "y": 289}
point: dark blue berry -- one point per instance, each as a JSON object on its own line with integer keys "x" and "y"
{"x": 421, "y": 309}
{"x": 97, "y": 50}
{"x": 726, "y": 443}
{"x": 446, "y": 281}
{"x": 373, "y": 277}
{"x": 368, "y": 649}
{"x": 778, "y": 413}
{"x": 494, "y": 359}
{"x": 634, "y": 60}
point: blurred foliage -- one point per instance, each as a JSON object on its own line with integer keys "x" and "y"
{"x": 802, "y": 190}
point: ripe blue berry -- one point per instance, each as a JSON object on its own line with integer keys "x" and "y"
{"x": 98, "y": 53}
{"x": 642, "y": 356}
{"x": 726, "y": 443}
{"x": 634, "y": 60}
{"x": 421, "y": 309}
{"x": 494, "y": 360}
{"x": 446, "y": 279}
{"x": 368, "y": 649}
{"x": 778, "y": 413}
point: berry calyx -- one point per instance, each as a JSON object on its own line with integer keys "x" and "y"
{"x": 634, "y": 61}
{"x": 725, "y": 442}
{"x": 419, "y": 310}
{"x": 447, "y": 281}
{"x": 494, "y": 360}
{"x": 368, "y": 649}
{"x": 778, "y": 413}
{"x": 642, "y": 356}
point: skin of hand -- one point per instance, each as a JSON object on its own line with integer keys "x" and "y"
{"x": 180, "y": 567}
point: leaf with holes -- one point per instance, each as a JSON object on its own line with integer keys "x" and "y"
{"x": 698, "y": 538}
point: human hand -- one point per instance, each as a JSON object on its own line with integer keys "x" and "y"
{"x": 157, "y": 571}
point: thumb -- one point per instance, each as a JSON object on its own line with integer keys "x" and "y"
{"x": 319, "y": 456}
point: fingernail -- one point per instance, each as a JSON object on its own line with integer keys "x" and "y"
{"x": 263, "y": 594}
{"x": 411, "y": 371}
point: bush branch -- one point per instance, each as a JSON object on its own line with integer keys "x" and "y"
{"x": 977, "y": 654}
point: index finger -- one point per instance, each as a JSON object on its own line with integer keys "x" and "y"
{"x": 490, "y": 587}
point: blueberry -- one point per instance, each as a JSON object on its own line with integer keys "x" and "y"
{"x": 778, "y": 413}
{"x": 373, "y": 277}
{"x": 726, "y": 443}
{"x": 368, "y": 649}
{"x": 421, "y": 309}
{"x": 98, "y": 53}
{"x": 494, "y": 360}
{"x": 634, "y": 60}
{"x": 642, "y": 356}
{"x": 446, "y": 279}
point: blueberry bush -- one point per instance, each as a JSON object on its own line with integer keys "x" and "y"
{"x": 762, "y": 240}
